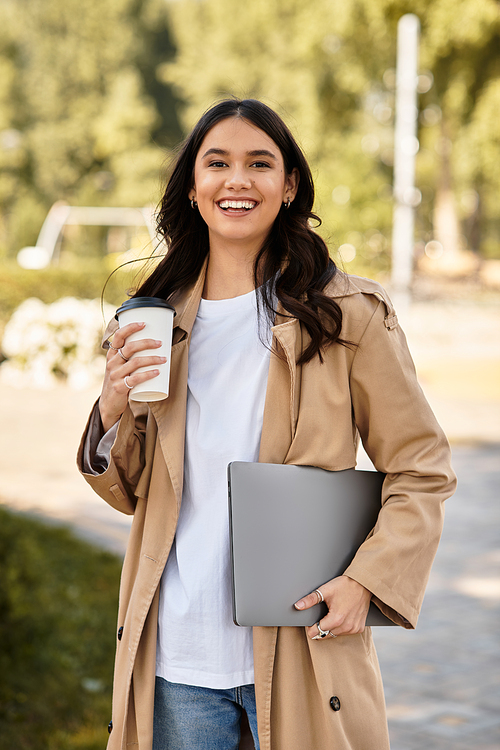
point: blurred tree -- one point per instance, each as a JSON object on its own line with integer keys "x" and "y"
{"x": 89, "y": 91}
{"x": 461, "y": 47}
{"x": 82, "y": 116}
{"x": 477, "y": 158}
{"x": 321, "y": 67}
{"x": 328, "y": 67}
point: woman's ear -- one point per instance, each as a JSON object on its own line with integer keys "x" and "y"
{"x": 292, "y": 184}
{"x": 192, "y": 194}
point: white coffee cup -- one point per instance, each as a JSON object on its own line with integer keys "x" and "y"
{"x": 158, "y": 315}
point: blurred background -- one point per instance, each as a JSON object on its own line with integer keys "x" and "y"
{"x": 94, "y": 98}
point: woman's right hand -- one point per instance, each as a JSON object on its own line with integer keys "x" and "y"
{"x": 115, "y": 393}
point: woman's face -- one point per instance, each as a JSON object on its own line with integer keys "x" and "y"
{"x": 240, "y": 183}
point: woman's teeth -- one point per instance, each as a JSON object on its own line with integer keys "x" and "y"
{"x": 247, "y": 205}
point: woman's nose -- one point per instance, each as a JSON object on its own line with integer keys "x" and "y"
{"x": 238, "y": 178}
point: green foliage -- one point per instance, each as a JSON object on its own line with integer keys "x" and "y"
{"x": 58, "y": 600}
{"x": 82, "y": 115}
{"x": 477, "y": 156}
{"x": 84, "y": 279}
{"x": 320, "y": 65}
{"x": 461, "y": 46}
{"x": 89, "y": 93}
{"x": 328, "y": 68}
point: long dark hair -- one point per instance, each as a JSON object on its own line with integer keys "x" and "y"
{"x": 294, "y": 259}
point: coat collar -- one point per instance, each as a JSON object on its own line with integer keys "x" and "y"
{"x": 186, "y": 304}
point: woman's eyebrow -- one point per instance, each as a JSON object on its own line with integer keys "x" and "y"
{"x": 223, "y": 152}
{"x": 263, "y": 152}
{"x": 217, "y": 151}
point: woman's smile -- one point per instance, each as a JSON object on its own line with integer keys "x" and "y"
{"x": 233, "y": 206}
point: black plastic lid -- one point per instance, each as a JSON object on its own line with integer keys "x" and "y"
{"x": 134, "y": 302}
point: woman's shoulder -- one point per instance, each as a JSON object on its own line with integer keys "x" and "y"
{"x": 346, "y": 285}
{"x": 359, "y": 294}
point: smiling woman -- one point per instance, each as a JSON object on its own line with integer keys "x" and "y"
{"x": 280, "y": 358}
{"x": 240, "y": 185}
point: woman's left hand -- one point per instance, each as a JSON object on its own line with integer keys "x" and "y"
{"x": 348, "y": 603}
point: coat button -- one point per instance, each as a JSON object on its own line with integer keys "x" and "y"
{"x": 335, "y": 703}
{"x": 120, "y": 633}
{"x": 110, "y": 727}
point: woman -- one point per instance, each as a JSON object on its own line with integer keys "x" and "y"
{"x": 291, "y": 373}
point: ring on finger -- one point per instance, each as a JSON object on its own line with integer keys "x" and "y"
{"x": 126, "y": 383}
{"x": 122, "y": 355}
{"x": 332, "y": 635}
{"x": 320, "y": 596}
{"x": 321, "y": 633}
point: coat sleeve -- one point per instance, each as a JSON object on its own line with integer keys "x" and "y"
{"x": 403, "y": 439}
{"x": 117, "y": 484}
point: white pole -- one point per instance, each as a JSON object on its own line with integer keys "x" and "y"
{"x": 406, "y": 197}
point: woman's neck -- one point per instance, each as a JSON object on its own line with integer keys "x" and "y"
{"x": 229, "y": 274}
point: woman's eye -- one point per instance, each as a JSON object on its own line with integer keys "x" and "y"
{"x": 217, "y": 164}
{"x": 260, "y": 164}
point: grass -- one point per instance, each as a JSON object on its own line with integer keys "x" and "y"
{"x": 58, "y": 604}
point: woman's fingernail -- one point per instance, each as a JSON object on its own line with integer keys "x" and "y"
{"x": 300, "y": 605}
{"x": 158, "y": 342}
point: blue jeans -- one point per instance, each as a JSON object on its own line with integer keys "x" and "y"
{"x": 187, "y": 717}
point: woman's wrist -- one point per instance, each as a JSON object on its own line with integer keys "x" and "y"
{"x": 108, "y": 420}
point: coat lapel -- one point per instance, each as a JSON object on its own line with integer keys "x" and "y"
{"x": 283, "y": 393}
{"x": 170, "y": 414}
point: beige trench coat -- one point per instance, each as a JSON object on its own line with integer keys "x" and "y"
{"x": 313, "y": 415}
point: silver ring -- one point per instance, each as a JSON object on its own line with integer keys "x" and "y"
{"x": 321, "y": 598}
{"x": 125, "y": 381}
{"x": 122, "y": 354}
{"x": 332, "y": 635}
{"x": 321, "y": 633}
{"x": 110, "y": 346}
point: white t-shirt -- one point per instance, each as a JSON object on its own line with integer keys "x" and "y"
{"x": 198, "y": 643}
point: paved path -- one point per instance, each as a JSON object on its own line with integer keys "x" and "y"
{"x": 442, "y": 681}
{"x": 456, "y": 348}
{"x": 39, "y": 437}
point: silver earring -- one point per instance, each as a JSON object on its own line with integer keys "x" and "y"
{"x": 193, "y": 204}
{"x": 287, "y": 204}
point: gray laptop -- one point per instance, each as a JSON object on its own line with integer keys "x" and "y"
{"x": 294, "y": 528}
